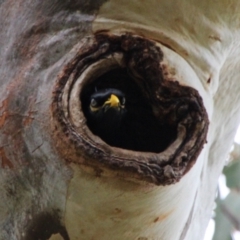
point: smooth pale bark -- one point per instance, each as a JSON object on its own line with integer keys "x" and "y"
{"x": 37, "y": 39}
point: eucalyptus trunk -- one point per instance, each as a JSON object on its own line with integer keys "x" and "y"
{"x": 61, "y": 181}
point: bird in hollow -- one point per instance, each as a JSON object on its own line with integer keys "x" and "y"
{"x": 106, "y": 111}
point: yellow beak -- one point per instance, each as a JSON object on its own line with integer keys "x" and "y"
{"x": 113, "y": 101}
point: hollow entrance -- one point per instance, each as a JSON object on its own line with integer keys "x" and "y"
{"x": 160, "y": 115}
{"x": 139, "y": 128}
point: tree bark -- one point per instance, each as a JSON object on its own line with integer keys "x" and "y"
{"x": 58, "y": 180}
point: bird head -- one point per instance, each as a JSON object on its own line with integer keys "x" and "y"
{"x": 103, "y": 100}
{"x": 105, "y": 114}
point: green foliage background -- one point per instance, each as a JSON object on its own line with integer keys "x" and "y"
{"x": 227, "y": 213}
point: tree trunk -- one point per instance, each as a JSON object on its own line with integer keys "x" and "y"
{"x": 58, "y": 179}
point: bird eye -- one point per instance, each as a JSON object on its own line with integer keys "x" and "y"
{"x": 93, "y": 103}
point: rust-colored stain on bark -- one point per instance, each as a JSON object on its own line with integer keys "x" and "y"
{"x": 28, "y": 119}
{"x": 117, "y": 210}
{"x": 3, "y": 118}
{"x": 3, "y": 113}
{"x": 162, "y": 217}
{"x": 5, "y": 162}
